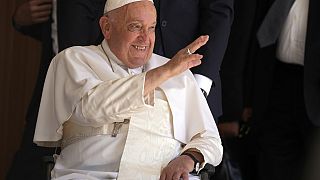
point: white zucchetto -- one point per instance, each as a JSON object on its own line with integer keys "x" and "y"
{"x": 114, "y": 4}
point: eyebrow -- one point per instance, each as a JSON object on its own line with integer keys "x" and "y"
{"x": 138, "y": 21}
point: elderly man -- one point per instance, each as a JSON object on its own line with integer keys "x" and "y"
{"x": 120, "y": 112}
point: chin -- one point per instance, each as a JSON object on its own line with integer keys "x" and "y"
{"x": 140, "y": 61}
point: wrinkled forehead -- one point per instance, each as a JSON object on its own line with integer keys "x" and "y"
{"x": 140, "y": 10}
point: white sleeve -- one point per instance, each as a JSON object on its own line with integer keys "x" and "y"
{"x": 113, "y": 101}
{"x": 210, "y": 147}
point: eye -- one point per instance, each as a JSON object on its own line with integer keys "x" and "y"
{"x": 135, "y": 27}
{"x": 152, "y": 29}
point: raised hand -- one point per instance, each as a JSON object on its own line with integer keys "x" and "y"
{"x": 184, "y": 59}
{"x": 181, "y": 62}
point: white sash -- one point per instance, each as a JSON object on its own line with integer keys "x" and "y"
{"x": 150, "y": 145}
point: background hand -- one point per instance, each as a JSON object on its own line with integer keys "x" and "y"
{"x": 247, "y": 114}
{"x": 33, "y": 12}
{"x": 229, "y": 129}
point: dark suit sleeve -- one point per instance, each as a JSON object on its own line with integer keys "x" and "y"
{"x": 78, "y": 22}
{"x": 215, "y": 20}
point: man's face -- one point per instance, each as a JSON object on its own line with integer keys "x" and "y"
{"x": 132, "y": 33}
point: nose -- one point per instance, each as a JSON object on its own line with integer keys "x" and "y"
{"x": 143, "y": 35}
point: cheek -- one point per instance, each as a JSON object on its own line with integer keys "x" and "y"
{"x": 152, "y": 38}
{"x": 125, "y": 43}
{"x": 152, "y": 41}
{"x": 131, "y": 38}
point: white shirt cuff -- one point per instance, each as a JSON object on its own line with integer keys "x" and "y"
{"x": 203, "y": 82}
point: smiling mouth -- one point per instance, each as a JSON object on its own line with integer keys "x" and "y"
{"x": 140, "y": 48}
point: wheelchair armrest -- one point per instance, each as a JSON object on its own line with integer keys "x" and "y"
{"x": 48, "y": 162}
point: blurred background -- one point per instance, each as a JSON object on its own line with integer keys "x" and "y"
{"x": 19, "y": 61}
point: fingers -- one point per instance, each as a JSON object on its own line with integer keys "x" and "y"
{"x": 185, "y": 176}
{"x": 36, "y": 6}
{"x": 38, "y": 2}
{"x": 196, "y": 44}
{"x": 42, "y": 14}
{"x": 174, "y": 176}
{"x": 40, "y": 10}
{"x": 180, "y": 175}
{"x": 194, "y": 60}
{"x": 177, "y": 169}
{"x": 181, "y": 62}
{"x": 46, "y": 1}
{"x": 184, "y": 60}
{"x": 163, "y": 176}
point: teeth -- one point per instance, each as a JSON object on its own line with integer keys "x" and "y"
{"x": 141, "y": 48}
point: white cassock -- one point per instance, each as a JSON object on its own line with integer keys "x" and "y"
{"x": 87, "y": 90}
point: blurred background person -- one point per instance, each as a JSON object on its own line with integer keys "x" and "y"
{"x": 33, "y": 18}
{"x": 58, "y": 24}
{"x": 235, "y": 123}
{"x": 285, "y": 86}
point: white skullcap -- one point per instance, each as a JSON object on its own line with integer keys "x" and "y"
{"x": 114, "y": 4}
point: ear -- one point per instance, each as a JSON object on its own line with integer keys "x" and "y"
{"x": 104, "y": 23}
